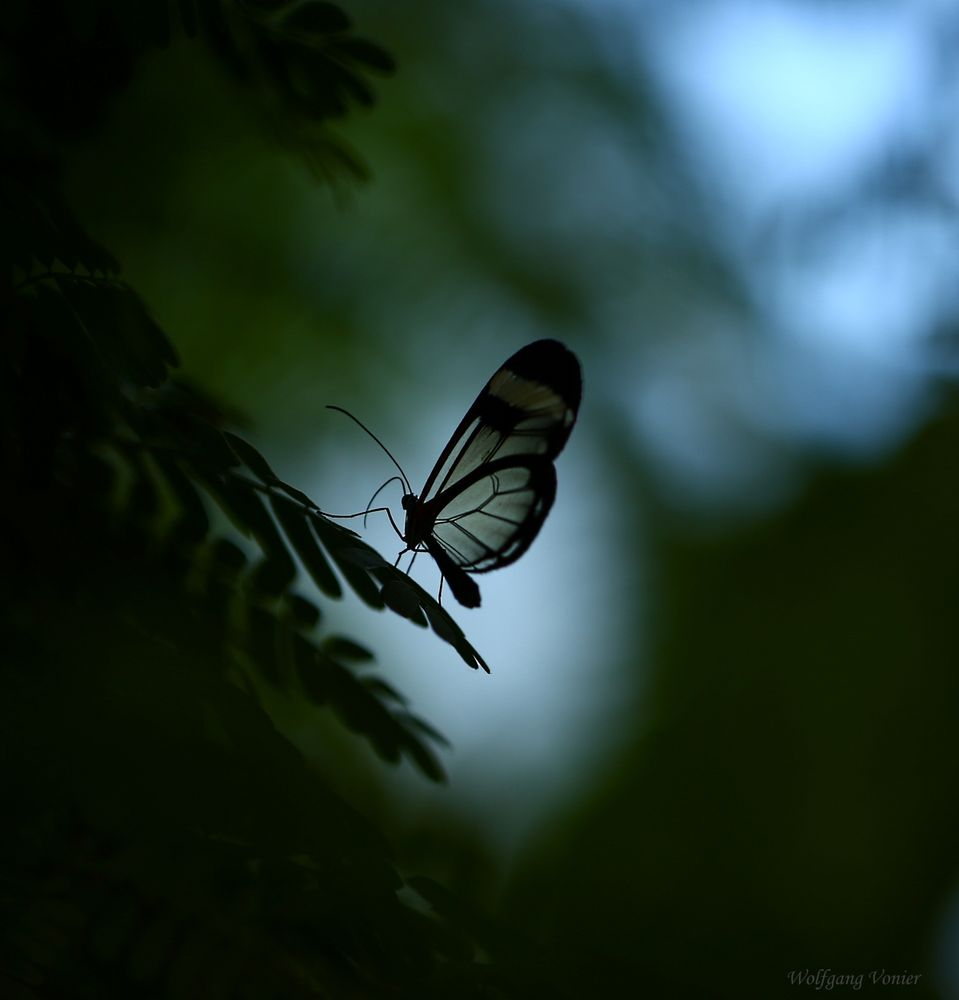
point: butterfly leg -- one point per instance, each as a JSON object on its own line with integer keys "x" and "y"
{"x": 364, "y": 514}
{"x": 439, "y": 596}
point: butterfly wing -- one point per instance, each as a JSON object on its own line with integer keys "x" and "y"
{"x": 489, "y": 518}
{"x": 493, "y": 485}
{"x": 528, "y": 407}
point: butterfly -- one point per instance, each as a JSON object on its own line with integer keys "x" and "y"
{"x": 494, "y": 483}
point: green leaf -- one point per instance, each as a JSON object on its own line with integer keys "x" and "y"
{"x": 447, "y": 629}
{"x": 264, "y": 646}
{"x": 367, "y": 53}
{"x": 362, "y": 712}
{"x": 243, "y": 506}
{"x": 424, "y": 758}
{"x": 267, "y": 6}
{"x": 344, "y": 79}
{"x": 143, "y": 499}
{"x": 441, "y": 623}
{"x": 342, "y": 648}
{"x": 56, "y": 324}
{"x": 424, "y": 727}
{"x": 382, "y": 689}
{"x": 293, "y": 520}
{"x": 335, "y": 539}
{"x": 28, "y": 232}
{"x": 273, "y": 575}
{"x": 439, "y": 620}
{"x": 313, "y": 670}
{"x": 117, "y": 322}
{"x": 316, "y": 19}
{"x": 75, "y": 246}
{"x": 403, "y": 600}
{"x": 303, "y": 612}
{"x": 364, "y": 556}
{"x": 193, "y": 523}
{"x": 296, "y": 494}
{"x": 145, "y": 334}
{"x": 251, "y": 458}
{"x": 198, "y": 439}
{"x": 229, "y": 558}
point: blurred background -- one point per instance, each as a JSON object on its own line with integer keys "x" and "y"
{"x": 717, "y": 745}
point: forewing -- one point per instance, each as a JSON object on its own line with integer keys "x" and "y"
{"x": 526, "y": 409}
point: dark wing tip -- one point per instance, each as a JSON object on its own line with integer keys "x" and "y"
{"x": 552, "y": 363}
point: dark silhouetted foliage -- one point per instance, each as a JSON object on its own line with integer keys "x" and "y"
{"x": 163, "y": 837}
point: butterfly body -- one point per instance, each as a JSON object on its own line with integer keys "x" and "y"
{"x": 494, "y": 482}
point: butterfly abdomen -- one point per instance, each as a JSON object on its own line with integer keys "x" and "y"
{"x": 464, "y": 587}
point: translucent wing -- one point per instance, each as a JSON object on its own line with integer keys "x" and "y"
{"x": 527, "y": 408}
{"x": 489, "y": 518}
{"x": 494, "y": 483}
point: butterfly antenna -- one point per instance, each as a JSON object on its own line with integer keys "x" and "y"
{"x": 362, "y": 426}
{"x": 392, "y": 479}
